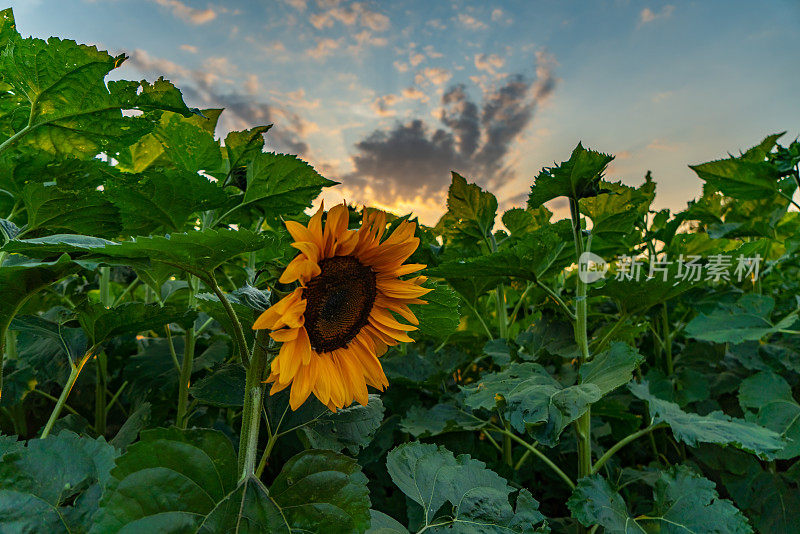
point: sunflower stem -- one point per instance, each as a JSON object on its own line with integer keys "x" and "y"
{"x": 583, "y": 426}
{"x": 100, "y": 360}
{"x": 75, "y": 370}
{"x": 253, "y": 400}
{"x": 237, "y": 325}
{"x": 181, "y": 420}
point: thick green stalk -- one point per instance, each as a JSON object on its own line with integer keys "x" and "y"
{"x": 101, "y": 362}
{"x": 621, "y": 443}
{"x": 583, "y": 427}
{"x": 253, "y": 401}
{"x": 73, "y": 376}
{"x": 539, "y": 454}
{"x": 237, "y": 325}
{"x": 181, "y": 419}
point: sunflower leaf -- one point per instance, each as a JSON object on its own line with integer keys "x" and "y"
{"x": 771, "y": 396}
{"x": 431, "y": 476}
{"x": 440, "y": 316}
{"x": 351, "y": 428}
{"x": 248, "y": 508}
{"x": 578, "y": 177}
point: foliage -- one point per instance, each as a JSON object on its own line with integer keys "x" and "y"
{"x": 136, "y": 250}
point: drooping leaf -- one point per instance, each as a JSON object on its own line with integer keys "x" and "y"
{"x": 171, "y": 477}
{"x": 715, "y": 427}
{"x": 578, "y": 177}
{"x": 53, "y": 484}
{"x": 55, "y": 210}
{"x": 322, "y": 491}
{"x": 740, "y": 178}
{"x": 684, "y": 503}
{"x": 442, "y": 418}
{"x": 618, "y": 210}
{"x": 101, "y": 323}
{"x": 246, "y": 510}
{"x": 611, "y": 368}
{"x": 771, "y": 397}
{"x": 381, "y": 523}
{"x": 431, "y": 476}
{"x": 747, "y": 319}
{"x": 351, "y": 428}
{"x": 440, "y": 316}
{"x": 224, "y": 387}
{"x": 187, "y": 144}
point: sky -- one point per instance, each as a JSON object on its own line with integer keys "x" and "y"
{"x": 389, "y": 97}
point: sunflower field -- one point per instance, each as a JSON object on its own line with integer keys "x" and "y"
{"x": 186, "y": 346}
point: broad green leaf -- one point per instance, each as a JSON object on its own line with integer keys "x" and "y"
{"x": 161, "y": 200}
{"x": 211, "y": 304}
{"x": 21, "y": 278}
{"x": 55, "y": 210}
{"x": 242, "y": 146}
{"x": 441, "y": 419}
{"x": 431, "y": 476}
{"x": 747, "y": 319}
{"x": 611, "y": 368}
{"x": 470, "y": 210}
{"x": 684, "y": 503}
{"x": 618, "y": 210}
{"x": 351, "y": 428}
{"x": 548, "y": 336}
{"x": 420, "y": 368}
{"x": 246, "y": 510}
{"x": 130, "y": 429}
{"x": 761, "y": 151}
{"x": 440, "y": 317}
{"x": 224, "y": 387}
{"x": 281, "y": 184}
{"x": 578, "y": 177}
{"x": 170, "y": 477}
{"x": 381, "y": 523}
{"x": 8, "y": 27}
{"x": 193, "y": 251}
{"x": 531, "y": 400}
{"x": 53, "y": 484}
{"x": 715, "y": 427}
{"x": 187, "y": 144}
{"x": 101, "y": 323}
{"x": 47, "y": 347}
{"x": 519, "y": 221}
{"x": 71, "y": 110}
{"x": 322, "y": 491}
{"x": 541, "y": 251}
{"x": 499, "y": 351}
{"x": 740, "y": 178}
{"x": 776, "y": 409}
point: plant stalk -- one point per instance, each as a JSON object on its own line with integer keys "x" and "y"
{"x": 62, "y": 399}
{"x": 583, "y": 427}
{"x": 237, "y": 325}
{"x": 101, "y": 363}
{"x": 621, "y": 443}
{"x": 253, "y": 400}
{"x": 181, "y": 419}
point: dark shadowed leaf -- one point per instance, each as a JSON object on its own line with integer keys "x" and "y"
{"x": 775, "y": 408}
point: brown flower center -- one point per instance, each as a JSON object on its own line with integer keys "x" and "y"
{"x": 340, "y": 300}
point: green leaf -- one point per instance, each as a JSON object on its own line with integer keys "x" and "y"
{"x": 170, "y": 476}
{"x": 546, "y": 336}
{"x": 21, "y": 278}
{"x": 537, "y": 253}
{"x": 440, "y": 317}
{"x": 519, "y": 221}
{"x": 531, "y": 400}
{"x": 8, "y": 28}
{"x": 351, "y": 428}
{"x": 381, "y": 523}
{"x": 281, "y": 184}
{"x": 322, "y": 491}
{"x": 193, "y": 251}
{"x": 761, "y": 151}
{"x": 685, "y": 503}
{"x": 187, "y": 144}
{"x": 46, "y": 347}
{"x": 618, "y": 210}
{"x": 101, "y": 323}
{"x": 60, "y": 85}
{"x": 224, "y": 387}
{"x": 130, "y": 429}
{"x": 57, "y": 479}
{"x": 578, "y": 177}
{"x": 470, "y": 210}
{"x": 431, "y": 476}
{"x": 243, "y": 146}
{"x": 161, "y": 201}
{"x": 441, "y": 419}
{"x": 246, "y": 510}
{"x": 715, "y": 427}
{"x": 740, "y": 178}
{"x": 52, "y": 209}
{"x": 747, "y": 319}
{"x": 611, "y": 368}
{"x": 771, "y": 396}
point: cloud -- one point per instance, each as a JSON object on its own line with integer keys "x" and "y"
{"x": 434, "y": 75}
{"x": 497, "y": 14}
{"x": 400, "y": 66}
{"x": 382, "y": 105}
{"x": 349, "y": 15}
{"x": 251, "y": 84}
{"x": 489, "y": 63}
{"x": 324, "y": 48}
{"x": 648, "y": 15}
{"x": 186, "y": 13}
{"x": 411, "y": 160}
{"x": 412, "y": 93}
{"x": 470, "y": 22}
{"x": 299, "y": 5}
{"x": 189, "y": 48}
{"x": 242, "y": 111}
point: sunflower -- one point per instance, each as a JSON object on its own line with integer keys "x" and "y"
{"x": 336, "y": 325}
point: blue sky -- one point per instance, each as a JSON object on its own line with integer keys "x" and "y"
{"x": 387, "y": 97}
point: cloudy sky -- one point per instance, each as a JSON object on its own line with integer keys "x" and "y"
{"x": 388, "y": 97}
